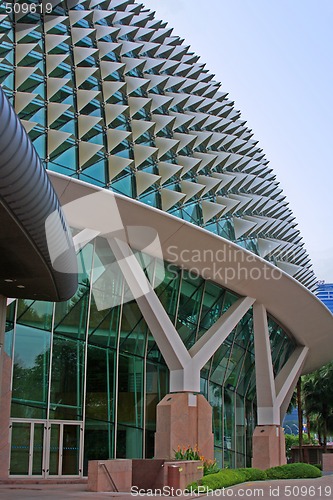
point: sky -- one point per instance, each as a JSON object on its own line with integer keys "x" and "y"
{"x": 274, "y": 57}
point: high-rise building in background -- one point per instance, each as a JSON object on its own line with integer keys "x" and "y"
{"x": 324, "y": 292}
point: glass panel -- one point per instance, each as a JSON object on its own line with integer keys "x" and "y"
{"x": 168, "y": 290}
{"x": 67, "y": 379}
{"x": 212, "y": 305}
{"x": 101, "y": 378}
{"x": 9, "y": 331}
{"x": 215, "y": 399}
{"x": 246, "y": 373}
{"x": 229, "y": 429}
{"x": 37, "y": 455}
{"x": 221, "y": 360}
{"x": 218, "y": 454}
{"x": 240, "y": 460}
{"x": 282, "y": 345}
{"x": 192, "y": 287}
{"x": 130, "y": 407}
{"x": 20, "y": 449}
{"x": 240, "y": 426}
{"x": 250, "y": 424}
{"x": 71, "y": 316}
{"x": 156, "y": 389}
{"x": 103, "y": 326}
{"x": 133, "y": 330}
{"x": 54, "y": 449}
{"x": 129, "y": 442}
{"x": 98, "y": 442}
{"x": 71, "y": 450}
{"x": 35, "y": 313}
{"x": 234, "y": 367}
{"x": 153, "y": 352}
{"x": 107, "y": 286}
{"x": 31, "y": 372}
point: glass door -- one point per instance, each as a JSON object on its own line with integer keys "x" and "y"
{"x": 44, "y": 449}
{"x": 63, "y": 456}
{"x": 27, "y": 447}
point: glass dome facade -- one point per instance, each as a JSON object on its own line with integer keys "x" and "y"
{"x": 111, "y": 97}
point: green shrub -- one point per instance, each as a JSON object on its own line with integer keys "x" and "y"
{"x": 319, "y": 466}
{"x": 293, "y": 471}
{"x": 253, "y": 474}
{"x": 230, "y": 477}
{"x": 192, "y": 487}
{"x": 223, "y": 479}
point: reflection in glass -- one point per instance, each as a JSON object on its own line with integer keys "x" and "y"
{"x": 54, "y": 450}
{"x": 70, "y": 450}
{"x": 67, "y": 379}
{"x": 20, "y": 449}
{"x": 31, "y": 372}
{"x": 38, "y": 446}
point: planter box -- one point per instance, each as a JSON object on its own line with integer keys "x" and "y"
{"x": 145, "y": 474}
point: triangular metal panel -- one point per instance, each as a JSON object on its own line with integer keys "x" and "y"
{"x": 116, "y": 164}
{"x": 54, "y": 139}
{"x": 145, "y": 180}
{"x": 142, "y": 153}
{"x": 168, "y": 170}
{"x": 170, "y": 198}
{"x": 242, "y": 227}
{"x": 86, "y": 151}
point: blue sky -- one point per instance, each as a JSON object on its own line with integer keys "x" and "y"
{"x": 274, "y": 57}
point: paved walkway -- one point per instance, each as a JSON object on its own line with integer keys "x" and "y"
{"x": 306, "y": 489}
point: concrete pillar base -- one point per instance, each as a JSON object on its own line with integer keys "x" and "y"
{"x": 184, "y": 419}
{"x": 269, "y": 448}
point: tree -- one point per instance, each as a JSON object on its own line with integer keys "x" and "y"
{"x": 300, "y": 418}
{"x": 318, "y": 401}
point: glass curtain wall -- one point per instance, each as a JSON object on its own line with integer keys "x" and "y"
{"x": 92, "y": 360}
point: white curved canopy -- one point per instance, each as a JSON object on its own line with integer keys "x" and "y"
{"x": 296, "y": 308}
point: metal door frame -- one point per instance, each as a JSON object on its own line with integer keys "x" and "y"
{"x": 46, "y": 447}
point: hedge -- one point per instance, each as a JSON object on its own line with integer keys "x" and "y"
{"x": 230, "y": 477}
{"x": 293, "y": 471}
{"x": 223, "y": 479}
{"x": 253, "y": 474}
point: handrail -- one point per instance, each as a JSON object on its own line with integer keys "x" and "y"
{"x": 107, "y": 472}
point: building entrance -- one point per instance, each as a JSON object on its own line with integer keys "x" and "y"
{"x": 41, "y": 448}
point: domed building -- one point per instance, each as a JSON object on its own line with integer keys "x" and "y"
{"x": 194, "y": 284}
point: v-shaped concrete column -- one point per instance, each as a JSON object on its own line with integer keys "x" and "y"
{"x": 273, "y": 395}
{"x": 184, "y": 365}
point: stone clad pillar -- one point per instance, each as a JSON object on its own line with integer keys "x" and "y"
{"x": 184, "y": 419}
{"x": 269, "y": 448}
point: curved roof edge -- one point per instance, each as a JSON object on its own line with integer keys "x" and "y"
{"x": 27, "y": 199}
{"x": 289, "y": 302}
